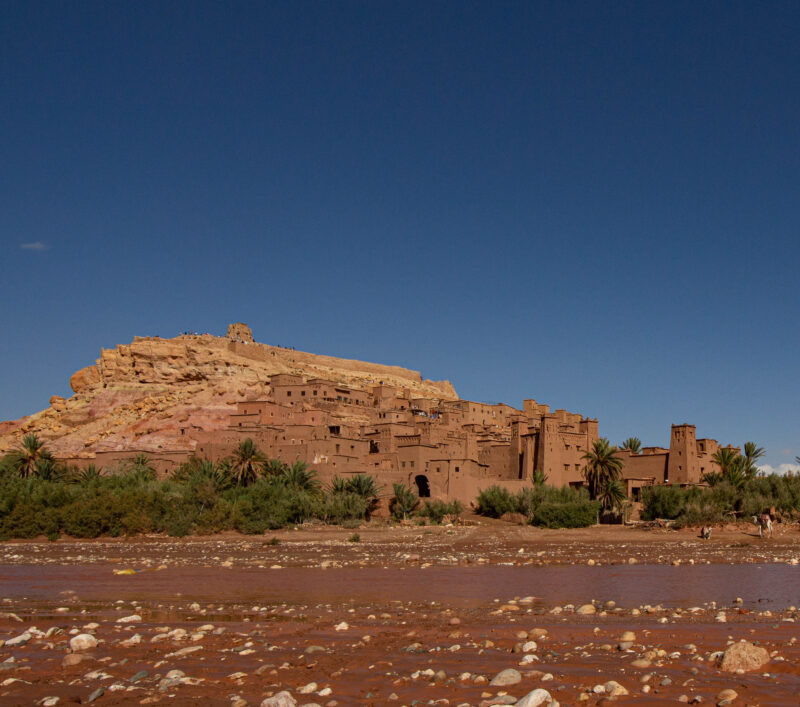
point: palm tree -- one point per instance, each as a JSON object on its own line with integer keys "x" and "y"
{"x": 404, "y": 502}
{"x": 31, "y": 457}
{"x": 539, "y": 477}
{"x": 201, "y": 469}
{"x": 140, "y": 469}
{"x": 725, "y": 458}
{"x": 632, "y": 444}
{"x": 752, "y": 454}
{"x": 612, "y": 495}
{"x": 364, "y": 485}
{"x": 245, "y": 462}
{"x": 338, "y": 485}
{"x": 602, "y": 466}
{"x": 299, "y": 476}
{"x": 89, "y": 474}
{"x": 274, "y": 467}
{"x": 737, "y": 474}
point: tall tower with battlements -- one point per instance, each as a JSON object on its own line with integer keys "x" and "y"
{"x": 684, "y": 464}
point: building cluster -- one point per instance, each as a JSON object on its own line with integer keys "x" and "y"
{"x": 439, "y": 448}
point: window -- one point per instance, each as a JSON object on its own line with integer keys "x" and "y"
{"x": 337, "y": 448}
{"x": 288, "y": 393}
{"x": 457, "y": 469}
{"x": 566, "y": 467}
{"x": 403, "y": 464}
{"x": 315, "y": 392}
{"x": 412, "y": 465}
{"x": 302, "y": 393}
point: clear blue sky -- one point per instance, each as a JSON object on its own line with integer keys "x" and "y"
{"x": 592, "y": 204}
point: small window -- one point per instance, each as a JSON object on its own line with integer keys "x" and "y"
{"x": 457, "y": 469}
{"x": 412, "y": 465}
{"x": 337, "y": 448}
{"x": 403, "y": 464}
{"x": 302, "y": 393}
{"x": 315, "y": 392}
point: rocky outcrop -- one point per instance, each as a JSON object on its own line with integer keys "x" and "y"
{"x": 146, "y": 394}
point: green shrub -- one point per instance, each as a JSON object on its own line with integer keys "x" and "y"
{"x": 666, "y": 502}
{"x": 495, "y": 501}
{"x": 574, "y": 514}
{"x": 341, "y": 508}
{"x": 437, "y": 510}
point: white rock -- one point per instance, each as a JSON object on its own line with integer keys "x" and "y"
{"x": 282, "y": 699}
{"x": 342, "y": 626}
{"x": 20, "y": 640}
{"x": 614, "y": 689}
{"x": 133, "y": 618}
{"x": 307, "y": 689}
{"x": 537, "y": 698}
{"x": 82, "y": 642}
{"x": 509, "y": 676}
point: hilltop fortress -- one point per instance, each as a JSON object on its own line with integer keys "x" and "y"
{"x": 202, "y": 395}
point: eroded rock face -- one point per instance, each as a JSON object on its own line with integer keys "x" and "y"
{"x": 744, "y": 656}
{"x": 146, "y": 394}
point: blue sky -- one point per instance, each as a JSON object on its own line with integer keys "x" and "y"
{"x": 591, "y": 204}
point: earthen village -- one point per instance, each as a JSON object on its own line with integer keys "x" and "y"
{"x": 341, "y": 417}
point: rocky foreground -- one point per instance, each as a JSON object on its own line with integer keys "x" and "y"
{"x": 456, "y": 616}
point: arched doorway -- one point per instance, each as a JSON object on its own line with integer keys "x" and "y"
{"x": 423, "y": 489}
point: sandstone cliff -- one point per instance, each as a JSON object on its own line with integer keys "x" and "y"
{"x": 138, "y": 396}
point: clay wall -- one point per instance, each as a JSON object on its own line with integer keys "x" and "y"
{"x": 645, "y": 466}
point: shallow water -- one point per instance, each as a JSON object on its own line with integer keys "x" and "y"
{"x": 762, "y": 586}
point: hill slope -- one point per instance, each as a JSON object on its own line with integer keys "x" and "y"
{"x": 139, "y": 395}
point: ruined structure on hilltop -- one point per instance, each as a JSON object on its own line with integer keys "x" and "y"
{"x": 202, "y": 395}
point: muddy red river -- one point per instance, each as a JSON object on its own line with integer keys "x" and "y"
{"x": 401, "y": 618}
